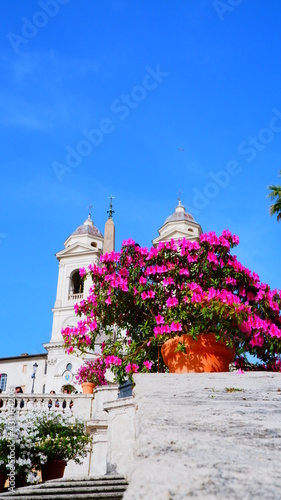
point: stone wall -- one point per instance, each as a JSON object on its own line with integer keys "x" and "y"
{"x": 206, "y": 436}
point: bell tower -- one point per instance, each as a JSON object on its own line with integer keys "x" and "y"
{"x": 179, "y": 225}
{"x": 83, "y": 247}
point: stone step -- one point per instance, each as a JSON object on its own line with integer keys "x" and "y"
{"x": 69, "y": 483}
{"x": 103, "y": 487}
{"x": 61, "y": 496}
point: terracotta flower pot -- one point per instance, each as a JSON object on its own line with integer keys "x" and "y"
{"x": 88, "y": 387}
{"x": 53, "y": 469}
{"x": 202, "y": 355}
{"x": 3, "y": 478}
{"x": 20, "y": 481}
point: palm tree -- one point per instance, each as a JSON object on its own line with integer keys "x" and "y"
{"x": 275, "y": 208}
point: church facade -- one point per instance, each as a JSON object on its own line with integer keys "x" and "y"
{"x": 54, "y": 369}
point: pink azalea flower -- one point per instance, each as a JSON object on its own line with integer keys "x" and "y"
{"x": 168, "y": 281}
{"x": 112, "y": 360}
{"x": 157, "y": 331}
{"x": 82, "y": 272}
{"x": 159, "y": 319}
{"x": 131, "y": 368}
{"x": 172, "y": 302}
{"x": 184, "y": 271}
{"x": 176, "y": 327}
{"x": 148, "y": 364}
{"x": 128, "y": 242}
{"x": 211, "y": 257}
{"x": 142, "y": 280}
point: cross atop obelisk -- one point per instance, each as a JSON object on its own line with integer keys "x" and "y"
{"x": 110, "y": 211}
{"x": 109, "y": 230}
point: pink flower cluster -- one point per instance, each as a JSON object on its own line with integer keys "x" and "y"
{"x": 148, "y": 364}
{"x": 92, "y": 371}
{"x": 265, "y": 326}
{"x": 132, "y": 368}
{"x": 164, "y": 329}
{"x": 178, "y": 287}
{"x": 112, "y": 360}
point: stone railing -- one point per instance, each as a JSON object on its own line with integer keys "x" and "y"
{"x": 110, "y": 421}
{"x": 80, "y": 405}
{"x": 75, "y": 296}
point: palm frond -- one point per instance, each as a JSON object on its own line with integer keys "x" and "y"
{"x": 275, "y": 193}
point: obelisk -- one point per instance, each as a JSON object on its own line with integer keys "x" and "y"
{"x": 109, "y": 231}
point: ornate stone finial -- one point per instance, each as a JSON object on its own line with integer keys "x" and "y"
{"x": 89, "y": 207}
{"x": 110, "y": 211}
{"x": 179, "y": 196}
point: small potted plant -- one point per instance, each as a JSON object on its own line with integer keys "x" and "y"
{"x": 59, "y": 439}
{"x": 91, "y": 374}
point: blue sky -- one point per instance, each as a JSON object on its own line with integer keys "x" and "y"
{"x": 96, "y": 100}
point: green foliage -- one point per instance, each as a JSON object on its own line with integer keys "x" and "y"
{"x": 35, "y": 438}
{"x": 275, "y": 194}
{"x": 60, "y": 438}
{"x": 181, "y": 347}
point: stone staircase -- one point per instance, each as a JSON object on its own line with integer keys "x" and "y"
{"x": 109, "y": 486}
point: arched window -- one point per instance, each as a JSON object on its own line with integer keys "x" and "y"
{"x": 3, "y": 381}
{"x": 76, "y": 284}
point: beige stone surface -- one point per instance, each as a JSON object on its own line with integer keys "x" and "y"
{"x": 207, "y": 436}
{"x": 109, "y": 237}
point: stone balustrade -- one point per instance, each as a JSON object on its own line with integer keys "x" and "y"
{"x": 87, "y": 407}
{"x": 81, "y": 405}
{"x": 76, "y": 296}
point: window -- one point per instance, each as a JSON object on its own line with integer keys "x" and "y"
{"x": 3, "y": 381}
{"x": 44, "y": 389}
{"x": 76, "y": 284}
{"x": 24, "y": 368}
{"x": 69, "y": 367}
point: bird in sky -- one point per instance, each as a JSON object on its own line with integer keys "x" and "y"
{"x": 181, "y": 149}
